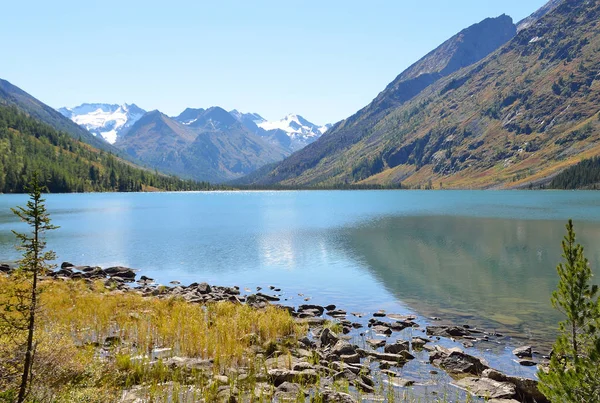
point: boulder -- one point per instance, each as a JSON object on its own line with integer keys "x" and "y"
{"x": 268, "y": 297}
{"x": 376, "y": 343}
{"x": 279, "y": 376}
{"x": 328, "y": 338}
{"x": 120, "y": 271}
{"x": 66, "y": 272}
{"x": 527, "y": 389}
{"x": 456, "y": 361}
{"x": 523, "y": 352}
{"x": 342, "y": 347}
{"x": 350, "y": 358}
{"x": 379, "y": 329}
{"x": 94, "y": 272}
{"x": 203, "y": 288}
{"x": 337, "y": 397}
{"x": 447, "y": 331}
{"x": 336, "y": 313}
{"x": 487, "y": 388}
{"x": 397, "y": 347}
{"x": 345, "y": 373}
{"x": 66, "y": 264}
{"x": 392, "y": 358}
{"x": 305, "y": 307}
{"x": 287, "y": 391}
{"x": 419, "y": 342}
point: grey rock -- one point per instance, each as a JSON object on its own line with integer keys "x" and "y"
{"x": 397, "y": 347}
{"x": 527, "y": 389}
{"x": 204, "y": 288}
{"x": 379, "y": 329}
{"x": 447, "y": 331}
{"x": 487, "y": 388}
{"x": 328, "y": 338}
{"x": 268, "y": 297}
{"x": 119, "y": 271}
{"x": 455, "y": 361}
{"x": 419, "y": 342}
{"x": 350, "y": 358}
{"x": 376, "y": 343}
{"x": 342, "y": 347}
{"x": 523, "y": 352}
{"x": 311, "y": 306}
{"x": 287, "y": 390}
{"x": 337, "y": 397}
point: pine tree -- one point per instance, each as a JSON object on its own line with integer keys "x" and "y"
{"x": 574, "y": 371}
{"x": 33, "y": 264}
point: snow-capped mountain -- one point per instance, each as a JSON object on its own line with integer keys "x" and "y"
{"x": 295, "y": 126}
{"x": 110, "y": 121}
{"x": 293, "y": 131}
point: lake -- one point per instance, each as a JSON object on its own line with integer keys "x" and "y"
{"x": 483, "y": 258}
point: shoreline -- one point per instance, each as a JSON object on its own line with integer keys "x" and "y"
{"x": 388, "y": 345}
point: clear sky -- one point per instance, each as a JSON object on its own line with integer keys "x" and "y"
{"x": 322, "y": 59}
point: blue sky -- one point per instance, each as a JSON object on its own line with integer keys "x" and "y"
{"x": 323, "y": 59}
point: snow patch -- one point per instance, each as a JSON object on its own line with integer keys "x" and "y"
{"x": 106, "y": 120}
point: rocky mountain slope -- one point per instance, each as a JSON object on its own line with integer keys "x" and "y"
{"x": 516, "y": 118}
{"x": 533, "y": 18}
{"x": 203, "y": 144}
{"x": 10, "y": 95}
{"x": 109, "y": 121}
{"x": 312, "y": 165}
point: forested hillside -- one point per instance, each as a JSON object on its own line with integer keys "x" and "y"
{"x": 584, "y": 175}
{"x": 68, "y": 165}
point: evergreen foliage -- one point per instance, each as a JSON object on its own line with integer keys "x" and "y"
{"x": 585, "y": 174}
{"x": 33, "y": 264}
{"x": 67, "y": 165}
{"x": 574, "y": 371}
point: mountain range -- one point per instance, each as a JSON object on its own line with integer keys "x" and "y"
{"x": 491, "y": 107}
{"x": 498, "y": 105}
{"x": 204, "y": 144}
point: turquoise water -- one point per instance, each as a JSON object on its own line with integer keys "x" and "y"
{"x": 483, "y": 258}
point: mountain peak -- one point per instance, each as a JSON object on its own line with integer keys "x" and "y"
{"x": 109, "y": 121}
{"x": 298, "y": 129}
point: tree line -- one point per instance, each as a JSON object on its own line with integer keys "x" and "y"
{"x": 67, "y": 165}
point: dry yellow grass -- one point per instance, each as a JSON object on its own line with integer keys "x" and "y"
{"x": 75, "y": 318}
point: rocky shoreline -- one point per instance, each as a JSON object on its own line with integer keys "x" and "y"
{"x": 366, "y": 354}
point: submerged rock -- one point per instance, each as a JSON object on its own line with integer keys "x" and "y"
{"x": 447, "y": 331}
{"x": 523, "y": 352}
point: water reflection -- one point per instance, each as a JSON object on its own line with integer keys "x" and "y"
{"x": 498, "y": 273}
